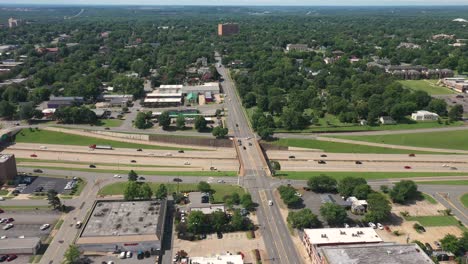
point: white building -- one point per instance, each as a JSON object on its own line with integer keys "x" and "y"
{"x": 218, "y": 259}
{"x": 386, "y": 120}
{"x": 212, "y": 87}
{"x": 423, "y": 115}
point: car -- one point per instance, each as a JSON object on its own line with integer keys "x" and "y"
{"x": 219, "y": 235}
{"x": 139, "y": 150}
{"x": 117, "y": 176}
{"x": 122, "y": 255}
{"x": 3, "y": 258}
{"x": 128, "y": 254}
{"x": 380, "y": 226}
{"x": 186, "y": 163}
{"x": 298, "y": 194}
{"x": 78, "y": 224}
{"x": 372, "y": 225}
{"x": 44, "y": 227}
{"x": 321, "y": 162}
{"x": 3, "y": 237}
{"x": 203, "y": 236}
{"x": 181, "y": 151}
{"x": 3, "y": 220}
{"x": 39, "y": 189}
{"x": 270, "y": 202}
{"x": 407, "y": 167}
{"x": 33, "y": 156}
{"x": 445, "y": 165}
{"x": 106, "y": 128}
{"x": 437, "y": 243}
{"x": 110, "y": 262}
{"x": 21, "y": 236}
{"x": 323, "y": 156}
{"x": 243, "y": 147}
{"x": 428, "y": 247}
{"x": 358, "y": 162}
{"x": 37, "y": 171}
{"x": 1, "y": 211}
{"x": 292, "y": 157}
{"x": 346, "y": 225}
{"x": 250, "y": 144}
{"x": 92, "y": 166}
{"x": 411, "y": 155}
{"x": 237, "y": 125}
{"x": 10, "y": 220}
{"x": 11, "y": 257}
{"x": 221, "y": 181}
{"x": 141, "y": 178}
{"x": 459, "y": 96}
{"x": 8, "y": 226}
{"x": 133, "y": 161}
{"x": 453, "y": 168}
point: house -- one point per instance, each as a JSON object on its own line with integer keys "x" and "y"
{"x": 358, "y": 207}
{"x": 423, "y": 115}
{"x": 442, "y": 36}
{"x": 408, "y": 45}
{"x": 386, "y": 120}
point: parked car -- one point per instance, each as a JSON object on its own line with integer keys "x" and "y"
{"x": 3, "y": 220}
{"x": 270, "y": 202}
{"x": 78, "y": 224}
{"x": 380, "y": 226}
{"x": 11, "y": 257}
{"x": 358, "y": 162}
{"x": 141, "y": 178}
{"x": 92, "y": 166}
{"x": 117, "y": 176}
{"x": 346, "y": 225}
{"x": 3, "y": 258}
{"x": 219, "y": 235}
{"x": 298, "y": 194}
{"x": 437, "y": 243}
{"x": 128, "y": 254}
{"x": 8, "y": 226}
{"x": 44, "y": 227}
{"x": 453, "y": 168}
{"x": 37, "y": 171}
{"x": 372, "y": 225}
{"x": 122, "y": 255}
{"x": 10, "y": 220}
{"x": 221, "y": 181}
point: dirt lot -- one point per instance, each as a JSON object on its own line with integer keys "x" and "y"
{"x": 420, "y": 208}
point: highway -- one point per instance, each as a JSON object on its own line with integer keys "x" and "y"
{"x": 279, "y": 245}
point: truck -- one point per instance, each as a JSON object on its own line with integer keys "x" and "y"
{"x": 94, "y": 146}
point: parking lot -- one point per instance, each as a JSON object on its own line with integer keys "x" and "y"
{"x": 452, "y": 100}
{"x": 28, "y": 223}
{"x": 115, "y": 259}
{"x": 47, "y": 184}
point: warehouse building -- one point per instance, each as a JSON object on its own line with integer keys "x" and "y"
{"x": 7, "y": 167}
{"x": 60, "y": 101}
{"x": 20, "y": 246}
{"x": 124, "y": 225}
{"x": 212, "y": 87}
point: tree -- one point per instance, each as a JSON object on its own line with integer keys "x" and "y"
{"x": 128, "y": 85}
{"x": 145, "y": 191}
{"x": 75, "y": 115}
{"x": 132, "y": 191}
{"x": 161, "y": 192}
{"x": 164, "y": 120}
{"x": 378, "y": 207}
{"x": 237, "y": 221}
{"x": 288, "y": 195}
{"x": 361, "y": 191}
{"x": 132, "y": 176}
{"x": 27, "y": 111}
{"x": 346, "y": 185}
{"x": 322, "y": 184}
{"x": 200, "y": 123}
{"x": 142, "y": 120}
{"x": 180, "y": 122}
{"x": 246, "y": 201}
{"x": 439, "y": 106}
{"x": 72, "y": 255}
{"x": 456, "y": 113}
{"x": 54, "y": 200}
{"x": 334, "y": 214}
{"x": 7, "y": 109}
{"x": 275, "y": 166}
{"x": 404, "y": 191}
{"x": 220, "y": 132}
{"x": 218, "y": 221}
{"x": 265, "y": 132}
{"x": 450, "y": 243}
{"x": 196, "y": 222}
{"x": 203, "y": 186}
{"x": 303, "y": 218}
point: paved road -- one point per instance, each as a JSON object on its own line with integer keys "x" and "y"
{"x": 279, "y": 245}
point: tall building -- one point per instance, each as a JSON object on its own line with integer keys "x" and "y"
{"x": 228, "y": 29}
{"x": 13, "y": 22}
{"x": 7, "y": 167}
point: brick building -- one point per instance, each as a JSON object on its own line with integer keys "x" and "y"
{"x": 228, "y": 29}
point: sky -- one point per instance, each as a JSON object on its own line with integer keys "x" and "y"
{"x": 243, "y": 2}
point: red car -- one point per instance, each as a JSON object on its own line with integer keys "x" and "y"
{"x": 9, "y": 220}
{"x": 412, "y": 155}
{"x": 11, "y": 258}
{"x": 407, "y": 167}
{"x": 33, "y": 156}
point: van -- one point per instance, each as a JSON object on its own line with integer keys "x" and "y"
{"x": 122, "y": 255}
{"x": 78, "y": 224}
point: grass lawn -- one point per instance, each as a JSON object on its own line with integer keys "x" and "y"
{"x": 58, "y": 224}
{"x": 429, "y": 198}
{"x": 305, "y": 175}
{"x": 441, "y": 220}
{"x": 429, "y": 86}
{"x": 454, "y": 182}
{"x": 110, "y": 122}
{"x": 162, "y": 173}
{"x": 53, "y": 137}
{"x": 26, "y": 208}
{"x": 4, "y": 192}
{"x": 220, "y": 189}
{"x": 444, "y": 140}
{"x": 464, "y": 200}
{"x": 337, "y": 147}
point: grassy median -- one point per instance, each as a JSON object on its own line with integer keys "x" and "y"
{"x": 305, "y": 175}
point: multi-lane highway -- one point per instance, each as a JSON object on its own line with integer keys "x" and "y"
{"x": 279, "y": 245}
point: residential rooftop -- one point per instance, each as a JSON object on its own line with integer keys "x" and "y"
{"x": 323, "y": 236}
{"x": 384, "y": 253}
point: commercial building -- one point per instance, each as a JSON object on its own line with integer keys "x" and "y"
{"x": 157, "y": 99}
{"x": 57, "y": 102}
{"x": 218, "y": 259}
{"x": 20, "y": 246}
{"x": 423, "y": 115}
{"x": 13, "y": 22}
{"x": 7, "y": 167}
{"x": 458, "y": 84}
{"x": 315, "y": 238}
{"x": 212, "y": 87}
{"x": 228, "y": 29}
{"x": 124, "y": 225}
{"x": 384, "y": 253}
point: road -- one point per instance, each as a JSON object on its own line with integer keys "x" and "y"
{"x": 279, "y": 245}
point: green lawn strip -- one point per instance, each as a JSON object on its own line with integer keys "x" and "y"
{"x": 58, "y": 224}
{"x": 429, "y": 198}
{"x": 26, "y": 207}
{"x": 87, "y": 163}
{"x": 4, "y": 192}
{"x": 164, "y": 173}
{"x": 454, "y": 182}
{"x": 429, "y": 86}
{"x": 439, "y": 220}
{"x": 443, "y": 140}
{"x": 464, "y": 200}
{"x": 305, "y": 175}
{"x": 220, "y": 189}
{"x": 110, "y": 122}
{"x": 79, "y": 187}
{"x": 53, "y": 137}
{"x": 337, "y": 147}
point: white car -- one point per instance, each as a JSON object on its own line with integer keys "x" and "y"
{"x": 380, "y": 226}
{"x": 270, "y": 202}
{"x": 129, "y": 254}
{"x": 122, "y": 255}
{"x": 346, "y": 225}
{"x": 3, "y": 220}
{"x": 186, "y": 163}
{"x": 44, "y": 226}
{"x": 21, "y": 237}
{"x": 220, "y": 181}
{"x": 117, "y": 176}
{"x": 8, "y": 226}
{"x": 445, "y": 165}
{"x": 3, "y": 237}
{"x": 298, "y": 194}
{"x": 372, "y": 225}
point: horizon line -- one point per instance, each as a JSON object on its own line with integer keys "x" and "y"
{"x": 230, "y": 5}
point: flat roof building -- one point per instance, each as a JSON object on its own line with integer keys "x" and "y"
{"x": 228, "y": 29}
{"x": 7, "y": 167}
{"x": 384, "y": 253}
{"x": 124, "y": 225}
{"x": 212, "y": 87}
{"x": 218, "y": 259}
{"x": 158, "y": 99}
{"x": 20, "y": 246}
{"x": 424, "y": 115}
{"x": 56, "y": 102}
